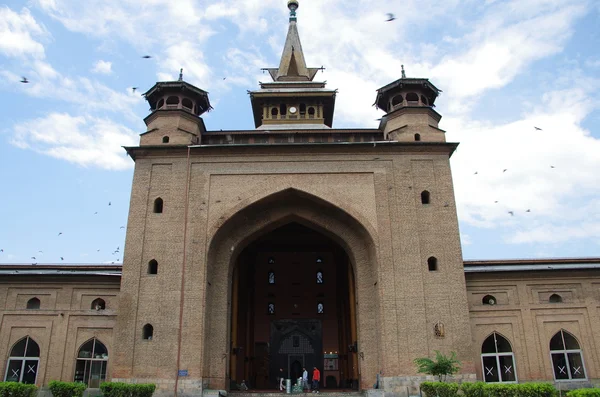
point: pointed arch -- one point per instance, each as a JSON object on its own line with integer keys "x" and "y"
{"x": 33, "y": 304}
{"x": 23, "y": 362}
{"x": 91, "y": 363}
{"x": 254, "y": 218}
{"x": 567, "y": 357}
{"x": 498, "y": 359}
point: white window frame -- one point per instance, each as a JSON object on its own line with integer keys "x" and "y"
{"x": 91, "y": 360}
{"x": 23, "y": 359}
{"x": 566, "y": 356}
{"x": 497, "y": 355}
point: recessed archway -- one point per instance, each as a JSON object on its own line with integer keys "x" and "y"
{"x": 259, "y": 219}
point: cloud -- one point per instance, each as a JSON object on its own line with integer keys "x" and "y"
{"x": 18, "y": 34}
{"x": 551, "y": 172}
{"x": 83, "y": 140}
{"x": 102, "y": 67}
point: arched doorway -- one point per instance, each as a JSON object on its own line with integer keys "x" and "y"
{"x": 292, "y": 308}
{"x": 244, "y": 226}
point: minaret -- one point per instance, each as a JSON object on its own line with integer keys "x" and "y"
{"x": 410, "y": 116}
{"x": 293, "y": 100}
{"x": 176, "y": 107}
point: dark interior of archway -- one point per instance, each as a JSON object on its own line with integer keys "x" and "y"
{"x": 291, "y": 307}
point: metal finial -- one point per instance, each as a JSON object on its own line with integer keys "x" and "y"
{"x": 403, "y": 73}
{"x": 181, "y": 74}
{"x": 293, "y": 6}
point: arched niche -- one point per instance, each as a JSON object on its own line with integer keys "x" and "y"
{"x": 267, "y": 214}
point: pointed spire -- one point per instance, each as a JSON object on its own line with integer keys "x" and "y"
{"x": 292, "y": 66}
{"x": 403, "y": 73}
{"x": 180, "y": 74}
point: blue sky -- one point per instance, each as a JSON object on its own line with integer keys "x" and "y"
{"x": 504, "y": 67}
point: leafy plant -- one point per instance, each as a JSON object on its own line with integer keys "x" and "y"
{"x": 66, "y": 389}
{"x": 584, "y": 393}
{"x": 439, "y": 389}
{"x": 16, "y": 389}
{"x": 120, "y": 389}
{"x": 441, "y": 367}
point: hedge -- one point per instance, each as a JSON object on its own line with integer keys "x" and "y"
{"x": 584, "y": 393}
{"x": 120, "y": 389}
{"x": 66, "y": 389}
{"x": 482, "y": 389}
{"x": 439, "y": 389}
{"x": 16, "y": 389}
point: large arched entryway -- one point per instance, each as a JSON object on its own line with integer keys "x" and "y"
{"x": 293, "y": 307}
{"x": 351, "y": 246}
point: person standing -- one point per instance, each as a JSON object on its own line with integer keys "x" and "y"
{"x": 304, "y": 378}
{"x": 281, "y": 379}
{"x": 316, "y": 377}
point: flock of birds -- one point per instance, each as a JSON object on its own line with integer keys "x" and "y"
{"x": 116, "y": 252}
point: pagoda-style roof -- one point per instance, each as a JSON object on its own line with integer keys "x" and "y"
{"x": 195, "y": 93}
{"x": 430, "y": 90}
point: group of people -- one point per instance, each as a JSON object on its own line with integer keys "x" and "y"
{"x": 316, "y": 378}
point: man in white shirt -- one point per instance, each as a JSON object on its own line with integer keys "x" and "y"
{"x": 304, "y": 379}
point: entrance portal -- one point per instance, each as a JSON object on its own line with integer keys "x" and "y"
{"x": 292, "y": 308}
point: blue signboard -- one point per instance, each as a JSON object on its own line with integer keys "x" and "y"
{"x": 182, "y": 372}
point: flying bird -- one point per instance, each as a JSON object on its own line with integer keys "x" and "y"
{"x": 33, "y": 257}
{"x": 133, "y": 89}
{"x": 504, "y": 170}
{"x": 496, "y": 202}
{"x": 122, "y": 227}
{"x": 224, "y": 78}
{"x": 109, "y": 203}
{"x": 476, "y": 173}
{"x": 95, "y": 213}
{"x": 1, "y": 250}
{"x": 24, "y": 80}
{"x": 41, "y": 252}
{"x": 537, "y": 128}
{"x": 390, "y": 17}
{"x": 552, "y": 166}
{"x": 511, "y": 213}
{"x": 62, "y": 259}
{"x": 528, "y": 211}
{"x": 59, "y": 233}
{"x": 147, "y": 56}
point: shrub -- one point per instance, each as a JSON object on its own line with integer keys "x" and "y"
{"x": 439, "y": 389}
{"x": 441, "y": 367}
{"x": 584, "y": 393}
{"x": 537, "y": 389}
{"x": 500, "y": 389}
{"x": 474, "y": 389}
{"x": 16, "y": 389}
{"x": 66, "y": 389}
{"x": 120, "y": 389}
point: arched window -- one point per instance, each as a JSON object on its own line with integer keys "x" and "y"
{"x": 271, "y": 308}
{"x": 274, "y": 112}
{"x": 432, "y": 263}
{"x": 489, "y": 300}
{"x": 412, "y": 98}
{"x": 302, "y": 109}
{"x": 283, "y": 109}
{"x": 172, "y": 100}
{"x": 320, "y": 308}
{"x": 567, "y": 360}
{"x": 311, "y": 111}
{"x": 397, "y": 100}
{"x": 417, "y": 137}
{"x": 319, "y": 277}
{"x": 153, "y": 267}
{"x": 165, "y": 139}
{"x": 158, "y": 206}
{"x": 425, "y": 197}
{"x": 147, "y": 332}
{"x": 91, "y": 363}
{"x": 187, "y": 103}
{"x": 33, "y": 303}
{"x": 98, "y": 304}
{"x": 498, "y": 360}
{"x": 23, "y": 362}
{"x": 271, "y": 277}
{"x": 555, "y": 298}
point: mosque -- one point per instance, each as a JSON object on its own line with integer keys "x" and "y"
{"x": 295, "y": 244}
